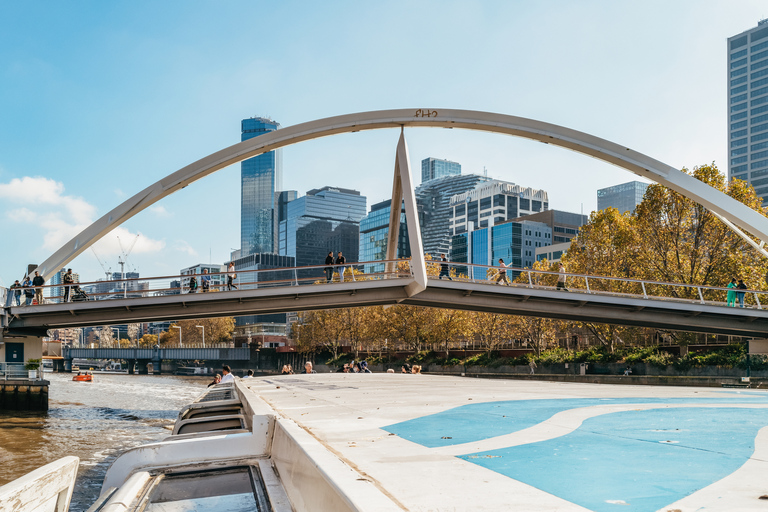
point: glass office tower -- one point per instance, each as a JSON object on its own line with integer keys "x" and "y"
{"x": 433, "y": 168}
{"x": 748, "y": 107}
{"x": 624, "y": 197}
{"x": 374, "y": 236}
{"x": 261, "y": 177}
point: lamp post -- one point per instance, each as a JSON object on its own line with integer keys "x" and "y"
{"x": 203, "y": 328}
{"x": 179, "y": 328}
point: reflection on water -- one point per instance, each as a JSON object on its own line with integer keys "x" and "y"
{"x": 94, "y": 421}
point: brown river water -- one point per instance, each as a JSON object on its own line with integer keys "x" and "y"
{"x": 95, "y": 421}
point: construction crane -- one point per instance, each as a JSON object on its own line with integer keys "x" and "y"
{"x": 123, "y": 260}
{"x": 107, "y": 271}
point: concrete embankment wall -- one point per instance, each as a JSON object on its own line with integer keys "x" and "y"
{"x": 24, "y": 395}
{"x": 642, "y": 374}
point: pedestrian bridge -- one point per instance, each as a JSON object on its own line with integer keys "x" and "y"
{"x": 600, "y": 299}
{"x": 592, "y": 298}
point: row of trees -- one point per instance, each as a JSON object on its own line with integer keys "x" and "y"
{"x": 217, "y": 330}
{"x": 668, "y": 238}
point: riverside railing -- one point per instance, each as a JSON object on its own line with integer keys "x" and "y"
{"x": 603, "y": 285}
{"x": 242, "y": 280}
{"x": 13, "y": 371}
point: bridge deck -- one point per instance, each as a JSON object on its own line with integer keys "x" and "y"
{"x": 475, "y": 295}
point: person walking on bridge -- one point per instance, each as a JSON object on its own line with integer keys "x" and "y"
{"x": 29, "y": 293}
{"x": 205, "y": 280}
{"x": 16, "y": 291}
{"x": 502, "y": 275}
{"x": 231, "y": 276}
{"x": 38, "y": 282}
{"x": 731, "y": 295}
{"x": 68, "y": 279}
{"x": 329, "y": 270}
{"x": 445, "y": 269}
{"x": 342, "y": 261}
{"x": 741, "y": 286}
{"x": 561, "y": 276}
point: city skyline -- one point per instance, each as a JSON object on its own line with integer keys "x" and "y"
{"x": 87, "y": 116}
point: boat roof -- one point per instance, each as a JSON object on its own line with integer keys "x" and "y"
{"x": 428, "y": 442}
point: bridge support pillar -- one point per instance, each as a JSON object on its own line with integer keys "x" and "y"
{"x": 131, "y": 367}
{"x": 157, "y": 366}
{"x": 142, "y": 367}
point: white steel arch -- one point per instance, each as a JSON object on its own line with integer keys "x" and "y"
{"x": 721, "y": 204}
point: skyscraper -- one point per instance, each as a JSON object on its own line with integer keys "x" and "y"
{"x": 374, "y": 234}
{"x": 433, "y": 198}
{"x": 494, "y": 202}
{"x": 748, "y": 107}
{"x": 624, "y": 197}
{"x": 261, "y": 176}
{"x": 326, "y": 219}
{"x": 434, "y": 168}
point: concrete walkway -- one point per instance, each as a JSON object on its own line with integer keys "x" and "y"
{"x": 436, "y": 443}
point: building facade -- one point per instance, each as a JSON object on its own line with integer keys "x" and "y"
{"x": 253, "y": 271}
{"x": 374, "y": 235}
{"x": 624, "y": 197}
{"x": 326, "y": 219}
{"x": 748, "y": 107}
{"x": 513, "y": 241}
{"x": 261, "y": 178}
{"x": 494, "y": 201}
{"x": 564, "y": 225}
{"x": 433, "y": 199}
{"x": 434, "y": 168}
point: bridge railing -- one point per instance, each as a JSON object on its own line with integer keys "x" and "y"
{"x": 603, "y": 285}
{"x": 12, "y": 371}
{"x": 218, "y": 282}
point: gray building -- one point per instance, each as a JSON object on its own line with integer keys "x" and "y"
{"x": 251, "y": 274}
{"x": 374, "y": 235}
{"x": 261, "y": 178}
{"x": 624, "y": 197}
{"x": 326, "y": 219}
{"x": 513, "y": 241}
{"x": 433, "y": 199}
{"x": 564, "y": 225}
{"x": 748, "y": 107}
{"x": 495, "y": 200}
{"x": 434, "y": 168}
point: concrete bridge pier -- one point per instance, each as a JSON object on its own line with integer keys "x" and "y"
{"x": 143, "y": 368}
{"x": 131, "y": 367}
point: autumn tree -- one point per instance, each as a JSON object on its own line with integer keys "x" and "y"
{"x": 540, "y": 333}
{"x": 217, "y": 330}
{"x": 492, "y": 330}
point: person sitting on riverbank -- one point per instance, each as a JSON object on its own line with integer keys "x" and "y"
{"x": 308, "y": 368}
{"x": 216, "y": 380}
{"x": 416, "y": 368}
{"x": 249, "y": 374}
{"x": 286, "y": 369}
{"x": 227, "y": 377}
{"x": 406, "y": 368}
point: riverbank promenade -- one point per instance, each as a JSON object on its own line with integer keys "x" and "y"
{"x": 441, "y": 443}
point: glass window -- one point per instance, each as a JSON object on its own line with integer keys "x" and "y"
{"x": 739, "y": 89}
{"x": 485, "y": 203}
{"x": 740, "y": 80}
{"x": 759, "y": 128}
{"x": 536, "y": 205}
{"x": 738, "y": 63}
{"x": 756, "y": 147}
{"x": 759, "y": 110}
{"x": 741, "y": 177}
{"x": 739, "y": 72}
{"x": 740, "y": 124}
{"x": 759, "y": 92}
{"x": 758, "y": 47}
{"x": 739, "y": 151}
{"x": 738, "y": 168}
{"x": 740, "y": 106}
{"x": 758, "y": 65}
{"x": 739, "y": 160}
{"x": 739, "y": 54}
{"x": 738, "y": 43}
{"x": 758, "y": 119}
{"x": 740, "y": 97}
{"x": 758, "y": 83}
{"x": 757, "y": 156}
{"x": 757, "y": 174}
{"x": 737, "y": 143}
{"x": 758, "y": 165}
{"x": 232, "y": 490}
{"x": 756, "y": 74}
{"x": 740, "y": 115}
{"x": 525, "y": 204}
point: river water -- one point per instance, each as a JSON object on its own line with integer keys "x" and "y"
{"x": 94, "y": 421}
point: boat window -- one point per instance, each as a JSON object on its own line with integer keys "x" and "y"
{"x": 232, "y": 490}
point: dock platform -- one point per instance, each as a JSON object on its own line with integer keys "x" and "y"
{"x": 439, "y": 443}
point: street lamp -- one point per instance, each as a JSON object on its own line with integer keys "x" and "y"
{"x": 203, "y": 328}
{"x": 179, "y": 328}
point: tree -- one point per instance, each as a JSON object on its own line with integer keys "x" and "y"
{"x": 492, "y": 330}
{"x": 217, "y": 330}
{"x": 133, "y": 332}
{"x": 540, "y": 333}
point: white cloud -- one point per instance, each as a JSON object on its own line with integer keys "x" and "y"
{"x": 183, "y": 246}
{"x": 43, "y": 204}
{"x": 160, "y": 211}
{"x": 110, "y": 244}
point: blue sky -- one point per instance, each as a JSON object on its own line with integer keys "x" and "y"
{"x": 98, "y": 100}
